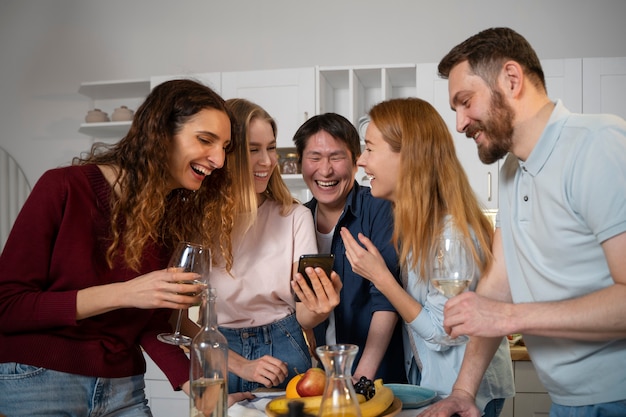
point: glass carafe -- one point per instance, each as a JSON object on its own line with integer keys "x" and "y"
{"x": 339, "y": 398}
{"x": 209, "y": 366}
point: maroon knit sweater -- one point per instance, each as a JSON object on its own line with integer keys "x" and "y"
{"x": 57, "y": 246}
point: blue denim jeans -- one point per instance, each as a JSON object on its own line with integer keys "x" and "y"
{"x": 31, "y": 391}
{"x": 613, "y": 409}
{"x": 282, "y": 339}
{"x": 494, "y": 407}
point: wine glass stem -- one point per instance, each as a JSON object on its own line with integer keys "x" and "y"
{"x": 178, "y": 321}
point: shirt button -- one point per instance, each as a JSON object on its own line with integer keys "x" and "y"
{"x": 525, "y": 198}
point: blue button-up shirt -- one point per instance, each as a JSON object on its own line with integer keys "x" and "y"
{"x": 373, "y": 217}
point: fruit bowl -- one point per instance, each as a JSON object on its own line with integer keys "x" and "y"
{"x": 392, "y": 410}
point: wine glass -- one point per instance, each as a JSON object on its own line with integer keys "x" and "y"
{"x": 188, "y": 257}
{"x": 452, "y": 273}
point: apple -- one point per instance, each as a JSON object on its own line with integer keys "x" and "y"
{"x": 312, "y": 383}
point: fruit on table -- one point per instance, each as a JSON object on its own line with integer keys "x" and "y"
{"x": 374, "y": 407}
{"x": 311, "y": 383}
{"x": 290, "y": 390}
{"x": 311, "y": 404}
{"x": 365, "y": 386}
{"x": 381, "y": 400}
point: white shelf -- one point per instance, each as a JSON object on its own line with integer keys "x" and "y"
{"x": 293, "y": 180}
{"x": 105, "y": 90}
{"x": 108, "y": 95}
{"x": 105, "y": 130}
{"x": 352, "y": 91}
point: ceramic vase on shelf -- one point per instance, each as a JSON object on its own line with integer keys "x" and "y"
{"x": 96, "y": 116}
{"x": 122, "y": 114}
{"x": 209, "y": 365}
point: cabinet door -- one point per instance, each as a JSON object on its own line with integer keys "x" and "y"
{"x": 165, "y": 402}
{"x": 483, "y": 178}
{"x": 162, "y": 399}
{"x": 211, "y": 79}
{"x": 532, "y": 405}
{"x": 288, "y": 95}
{"x": 604, "y": 85}
{"x": 564, "y": 81}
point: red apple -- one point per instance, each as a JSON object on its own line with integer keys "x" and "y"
{"x": 312, "y": 383}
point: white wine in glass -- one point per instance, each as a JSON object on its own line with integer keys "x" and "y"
{"x": 452, "y": 273}
{"x": 187, "y": 257}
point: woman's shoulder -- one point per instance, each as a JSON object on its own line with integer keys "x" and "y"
{"x": 296, "y": 209}
{"x": 66, "y": 174}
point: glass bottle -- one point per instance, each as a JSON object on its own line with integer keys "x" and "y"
{"x": 209, "y": 366}
{"x": 339, "y": 398}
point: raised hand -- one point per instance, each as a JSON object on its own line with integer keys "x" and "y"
{"x": 367, "y": 262}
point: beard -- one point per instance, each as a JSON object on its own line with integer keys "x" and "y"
{"x": 498, "y": 130}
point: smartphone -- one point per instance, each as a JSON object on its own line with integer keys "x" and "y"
{"x": 321, "y": 260}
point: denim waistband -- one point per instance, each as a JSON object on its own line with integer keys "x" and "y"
{"x": 265, "y": 330}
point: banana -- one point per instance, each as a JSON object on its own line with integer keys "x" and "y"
{"x": 312, "y": 404}
{"x": 281, "y": 405}
{"x": 381, "y": 401}
{"x": 374, "y": 407}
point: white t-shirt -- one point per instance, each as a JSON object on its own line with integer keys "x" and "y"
{"x": 324, "y": 243}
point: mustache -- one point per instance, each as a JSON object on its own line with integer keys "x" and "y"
{"x": 472, "y": 129}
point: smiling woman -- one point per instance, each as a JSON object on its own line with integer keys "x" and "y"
{"x": 83, "y": 271}
{"x": 14, "y": 189}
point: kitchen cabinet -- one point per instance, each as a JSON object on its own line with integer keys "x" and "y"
{"x": 162, "y": 399}
{"x": 564, "y": 81}
{"x": 291, "y": 96}
{"x": 107, "y": 96}
{"x": 352, "y": 90}
{"x": 288, "y": 95}
{"x": 531, "y": 398}
{"x": 604, "y": 85}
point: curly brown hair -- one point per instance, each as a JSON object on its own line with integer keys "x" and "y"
{"x": 146, "y": 211}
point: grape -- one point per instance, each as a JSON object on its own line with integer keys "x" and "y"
{"x": 365, "y": 387}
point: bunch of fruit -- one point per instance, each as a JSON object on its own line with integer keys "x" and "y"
{"x": 365, "y": 387}
{"x": 309, "y": 387}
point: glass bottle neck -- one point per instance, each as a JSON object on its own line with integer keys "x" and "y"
{"x": 210, "y": 316}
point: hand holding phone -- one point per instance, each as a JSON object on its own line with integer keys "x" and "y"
{"x": 321, "y": 260}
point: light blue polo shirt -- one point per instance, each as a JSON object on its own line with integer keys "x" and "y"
{"x": 556, "y": 208}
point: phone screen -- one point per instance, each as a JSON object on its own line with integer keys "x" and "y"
{"x": 321, "y": 260}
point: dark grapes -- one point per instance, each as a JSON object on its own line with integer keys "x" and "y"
{"x": 365, "y": 387}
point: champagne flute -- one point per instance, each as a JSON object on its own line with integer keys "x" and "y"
{"x": 188, "y": 257}
{"x": 452, "y": 273}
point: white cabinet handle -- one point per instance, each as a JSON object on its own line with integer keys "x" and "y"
{"x": 489, "y": 186}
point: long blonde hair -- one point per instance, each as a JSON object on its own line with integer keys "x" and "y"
{"x": 432, "y": 184}
{"x": 244, "y": 111}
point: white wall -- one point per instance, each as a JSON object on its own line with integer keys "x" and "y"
{"x": 47, "y": 48}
